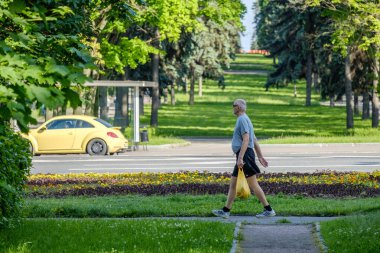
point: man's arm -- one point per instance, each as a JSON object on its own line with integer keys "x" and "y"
{"x": 243, "y": 148}
{"x": 259, "y": 154}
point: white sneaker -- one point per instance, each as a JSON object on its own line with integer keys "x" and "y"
{"x": 221, "y": 213}
{"x": 266, "y": 214}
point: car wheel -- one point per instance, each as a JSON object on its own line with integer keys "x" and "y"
{"x": 96, "y": 147}
{"x": 31, "y": 150}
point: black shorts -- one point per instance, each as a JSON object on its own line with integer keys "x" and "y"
{"x": 250, "y": 167}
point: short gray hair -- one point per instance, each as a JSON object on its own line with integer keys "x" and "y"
{"x": 241, "y": 103}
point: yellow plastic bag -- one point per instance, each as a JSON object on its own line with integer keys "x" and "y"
{"x": 242, "y": 188}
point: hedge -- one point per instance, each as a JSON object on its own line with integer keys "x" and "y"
{"x": 15, "y": 164}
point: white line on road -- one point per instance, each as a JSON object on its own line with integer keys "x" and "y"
{"x": 134, "y": 168}
{"x": 131, "y": 160}
{"x": 224, "y": 167}
{"x": 197, "y": 158}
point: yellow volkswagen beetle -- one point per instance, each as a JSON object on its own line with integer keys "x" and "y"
{"x": 76, "y": 134}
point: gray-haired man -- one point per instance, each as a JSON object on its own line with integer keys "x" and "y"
{"x": 243, "y": 143}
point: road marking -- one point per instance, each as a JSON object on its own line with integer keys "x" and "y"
{"x": 167, "y": 168}
{"x": 200, "y": 168}
{"x": 133, "y": 159}
{"x": 193, "y": 158}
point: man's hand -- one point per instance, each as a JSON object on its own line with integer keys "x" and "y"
{"x": 263, "y": 162}
{"x": 240, "y": 163}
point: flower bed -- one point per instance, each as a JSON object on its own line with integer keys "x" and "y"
{"x": 326, "y": 183}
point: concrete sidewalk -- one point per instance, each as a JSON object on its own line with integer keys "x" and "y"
{"x": 279, "y": 234}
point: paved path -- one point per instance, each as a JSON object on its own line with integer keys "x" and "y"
{"x": 280, "y": 234}
{"x": 278, "y": 238}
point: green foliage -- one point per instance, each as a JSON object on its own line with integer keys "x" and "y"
{"x": 117, "y": 235}
{"x": 342, "y": 235}
{"x": 204, "y": 52}
{"x": 15, "y": 163}
{"x": 128, "y": 52}
{"x": 189, "y": 205}
{"x": 41, "y": 53}
{"x": 222, "y": 12}
{"x": 169, "y": 17}
{"x": 357, "y": 23}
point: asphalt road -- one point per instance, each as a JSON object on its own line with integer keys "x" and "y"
{"x": 216, "y": 156}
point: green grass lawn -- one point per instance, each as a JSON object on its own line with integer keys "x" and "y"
{"x": 190, "y": 205}
{"x": 276, "y": 114}
{"x": 115, "y": 235}
{"x": 253, "y": 58}
{"x": 154, "y": 235}
{"x": 360, "y": 233}
{"x": 250, "y": 67}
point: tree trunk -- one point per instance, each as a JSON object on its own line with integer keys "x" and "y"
{"x": 365, "y": 114}
{"x": 200, "y": 83}
{"x": 295, "y": 90}
{"x": 165, "y": 95}
{"x": 192, "y": 84}
{"x": 356, "y": 103}
{"x": 309, "y": 30}
{"x": 375, "y": 95}
{"x": 78, "y": 110}
{"x": 121, "y": 104}
{"x": 90, "y": 100}
{"x": 121, "y": 107}
{"x": 317, "y": 88}
{"x": 348, "y": 86}
{"x": 95, "y": 106}
{"x": 155, "y": 78}
{"x": 186, "y": 84}
{"x": 172, "y": 95}
{"x": 103, "y": 102}
{"x": 141, "y": 101}
{"x": 309, "y": 79}
{"x": 332, "y": 100}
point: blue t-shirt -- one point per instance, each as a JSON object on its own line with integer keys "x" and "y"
{"x": 243, "y": 125}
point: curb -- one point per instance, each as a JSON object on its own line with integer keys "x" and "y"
{"x": 319, "y": 239}
{"x": 235, "y": 240}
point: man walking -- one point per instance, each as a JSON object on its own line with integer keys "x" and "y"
{"x": 243, "y": 143}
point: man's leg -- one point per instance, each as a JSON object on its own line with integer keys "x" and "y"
{"x": 225, "y": 211}
{"x": 256, "y": 188}
{"x": 231, "y": 192}
{"x": 254, "y": 185}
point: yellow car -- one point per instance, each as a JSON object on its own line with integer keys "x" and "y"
{"x": 76, "y": 134}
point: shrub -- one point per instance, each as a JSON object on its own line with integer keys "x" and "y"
{"x": 15, "y": 163}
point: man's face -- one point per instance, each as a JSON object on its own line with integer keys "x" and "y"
{"x": 236, "y": 108}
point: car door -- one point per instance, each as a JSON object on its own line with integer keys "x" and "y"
{"x": 57, "y": 136}
{"x": 82, "y": 130}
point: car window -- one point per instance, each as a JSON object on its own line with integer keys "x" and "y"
{"x": 61, "y": 124}
{"x": 103, "y": 122}
{"x": 83, "y": 124}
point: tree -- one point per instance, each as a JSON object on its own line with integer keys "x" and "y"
{"x": 204, "y": 53}
{"x": 167, "y": 18}
{"x": 41, "y": 55}
{"x": 289, "y": 30}
{"x": 116, "y": 50}
{"x": 357, "y": 24}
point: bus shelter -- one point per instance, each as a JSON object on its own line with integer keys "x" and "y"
{"x": 135, "y": 85}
